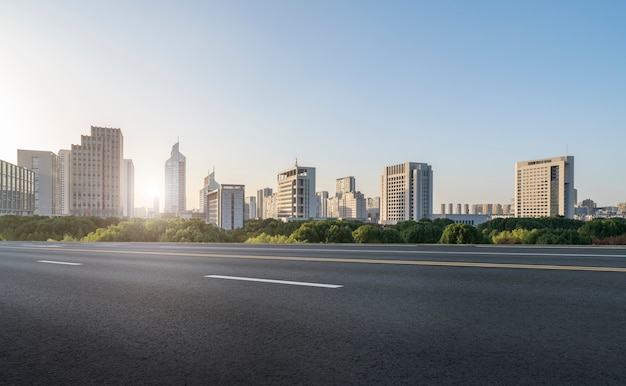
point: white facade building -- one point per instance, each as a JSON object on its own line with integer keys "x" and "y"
{"x": 322, "y": 204}
{"x": 175, "y": 182}
{"x": 225, "y": 207}
{"x": 209, "y": 184}
{"x": 47, "y": 168}
{"x": 250, "y": 210}
{"x": 261, "y": 203}
{"x": 296, "y": 193}
{"x": 347, "y": 203}
{"x": 406, "y": 192}
{"x": 545, "y": 187}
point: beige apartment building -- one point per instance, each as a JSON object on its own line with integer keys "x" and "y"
{"x": 97, "y": 164}
{"x": 545, "y": 187}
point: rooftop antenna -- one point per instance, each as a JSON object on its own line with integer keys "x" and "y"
{"x": 296, "y": 161}
{"x": 566, "y": 151}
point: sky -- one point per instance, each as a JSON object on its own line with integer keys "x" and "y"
{"x": 347, "y": 87}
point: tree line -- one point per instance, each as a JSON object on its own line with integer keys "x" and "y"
{"x": 552, "y": 230}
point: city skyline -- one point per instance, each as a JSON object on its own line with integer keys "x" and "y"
{"x": 469, "y": 88}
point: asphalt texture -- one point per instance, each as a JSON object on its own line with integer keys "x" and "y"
{"x": 153, "y": 314}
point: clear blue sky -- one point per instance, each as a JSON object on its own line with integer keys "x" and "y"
{"x": 348, "y": 87}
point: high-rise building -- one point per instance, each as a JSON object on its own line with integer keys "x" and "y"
{"x": 209, "y": 184}
{"x": 261, "y": 203}
{"x": 406, "y": 192}
{"x": 250, "y": 209}
{"x": 545, "y": 187}
{"x": 175, "y": 182}
{"x": 347, "y": 202}
{"x": 345, "y": 185}
{"x": 66, "y": 182}
{"x": 47, "y": 168}
{"x": 322, "y": 204}
{"x": 17, "y": 190}
{"x": 225, "y": 206}
{"x": 296, "y": 193}
{"x": 129, "y": 188}
{"x": 97, "y": 164}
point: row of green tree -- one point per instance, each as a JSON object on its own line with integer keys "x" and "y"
{"x": 554, "y": 230}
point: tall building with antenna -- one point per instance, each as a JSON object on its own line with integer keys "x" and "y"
{"x": 175, "y": 182}
{"x": 296, "y": 193}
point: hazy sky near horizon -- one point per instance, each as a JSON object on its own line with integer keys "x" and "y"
{"x": 348, "y": 87}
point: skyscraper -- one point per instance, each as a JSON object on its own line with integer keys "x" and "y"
{"x": 545, "y": 187}
{"x": 97, "y": 165}
{"x": 175, "y": 182}
{"x": 296, "y": 193}
{"x": 406, "y": 192}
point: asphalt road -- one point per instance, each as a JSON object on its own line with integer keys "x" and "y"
{"x": 108, "y": 313}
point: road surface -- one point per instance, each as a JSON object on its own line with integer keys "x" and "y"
{"x": 127, "y": 313}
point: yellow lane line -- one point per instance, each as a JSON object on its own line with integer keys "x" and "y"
{"x": 367, "y": 261}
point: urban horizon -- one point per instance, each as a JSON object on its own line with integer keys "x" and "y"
{"x": 452, "y": 207}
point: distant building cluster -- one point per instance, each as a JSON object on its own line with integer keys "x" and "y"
{"x": 94, "y": 179}
{"x": 91, "y": 179}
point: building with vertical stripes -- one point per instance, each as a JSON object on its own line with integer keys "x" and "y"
{"x": 226, "y": 206}
{"x": 17, "y": 190}
{"x": 296, "y": 198}
{"x": 97, "y": 165}
{"x": 406, "y": 192}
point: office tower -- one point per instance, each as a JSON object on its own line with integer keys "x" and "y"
{"x": 261, "y": 202}
{"x": 66, "y": 159}
{"x": 175, "y": 182}
{"x": 47, "y": 168}
{"x": 545, "y": 187}
{"x": 225, "y": 206}
{"x": 17, "y": 190}
{"x": 296, "y": 193}
{"x": 209, "y": 184}
{"x": 129, "y": 188}
{"x": 97, "y": 187}
{"x": 406, "y": 192}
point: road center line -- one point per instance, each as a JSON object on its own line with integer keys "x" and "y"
{"x": 275, "y": 281}
{"x": 57, "y": 262}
